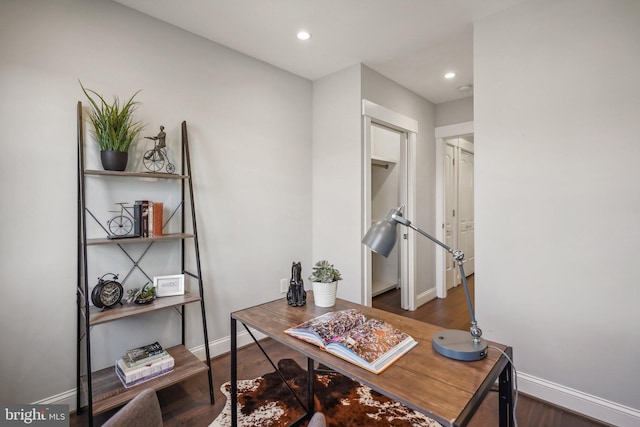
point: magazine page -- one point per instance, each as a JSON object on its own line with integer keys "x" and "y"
{"x": 372, "y": 340}
{"x": 329, "y": 326}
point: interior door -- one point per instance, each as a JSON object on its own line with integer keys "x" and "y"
{"x": 466, "y": 225}
{"x": 450, "y": 197}
{"x": 459, "y": 225}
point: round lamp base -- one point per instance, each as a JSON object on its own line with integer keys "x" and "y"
{"x": 458, "y": 345}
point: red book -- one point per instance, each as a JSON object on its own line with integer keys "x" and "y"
{"x": 155, "y": 229}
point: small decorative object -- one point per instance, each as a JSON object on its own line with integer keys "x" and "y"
{"x": 122, "y": 225}
{"x": 142, "y": 296}
{"x": 114, "y": 129}
{"x": 296, "y": 296}
{"x": 154, "y": 159}
{"x": 324, "y": 278}
{"x": 107, "y": 293}
{"x": 169, "y": 285}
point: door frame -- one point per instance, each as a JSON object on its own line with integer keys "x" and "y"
{"x": 442, "y": 133}
{"x": 374, "y": 113}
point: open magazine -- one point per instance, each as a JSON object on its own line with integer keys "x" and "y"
{"x": 372, "y": 344}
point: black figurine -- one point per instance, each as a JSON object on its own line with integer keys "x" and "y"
{"x": 296, "y": 296}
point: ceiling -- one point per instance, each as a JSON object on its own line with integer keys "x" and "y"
{"x": 413, "y": 42}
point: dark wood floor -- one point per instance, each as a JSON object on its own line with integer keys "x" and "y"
{"x": 187, "y": 403}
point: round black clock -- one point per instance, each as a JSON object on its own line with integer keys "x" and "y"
{"x": 107, "y": 293}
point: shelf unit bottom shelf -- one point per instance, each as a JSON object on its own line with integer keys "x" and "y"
{"x": 109, "y": 393}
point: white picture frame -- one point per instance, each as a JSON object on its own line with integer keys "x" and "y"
{"x": 167, "y": 286}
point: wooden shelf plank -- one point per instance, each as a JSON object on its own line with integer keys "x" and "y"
{"x": 98, "y": 316}
{"x": 109, "y": 393}
{"x": 107, "y": 241}
{"x": 136, "y": 174}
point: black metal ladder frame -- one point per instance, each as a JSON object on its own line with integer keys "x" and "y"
{"x": 82, "y": 290}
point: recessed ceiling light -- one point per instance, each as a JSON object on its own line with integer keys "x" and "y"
{"x": 303, "y": 35}
{"x": 465, "y": 88}
{"x": 450, "y": 75}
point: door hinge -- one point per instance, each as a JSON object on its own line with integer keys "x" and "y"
{"x": 454, "y": 212}
{"x": 405, "y": 236}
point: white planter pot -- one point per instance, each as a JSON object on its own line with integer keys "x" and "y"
{"x": 324, "y": 294}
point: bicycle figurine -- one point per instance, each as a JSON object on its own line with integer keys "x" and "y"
{"x": 122, "y": 225}
{"x": 154, "y": 159}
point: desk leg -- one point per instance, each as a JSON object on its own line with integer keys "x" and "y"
{"x": 234, "y": 374}
{"x": 310, "y": 387}
{"x": 505, "y": 390}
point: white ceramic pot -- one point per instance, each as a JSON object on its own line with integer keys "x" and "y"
{"x": 324, "y": 294}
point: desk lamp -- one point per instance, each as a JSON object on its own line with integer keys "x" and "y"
{"x": 451, "y": 343}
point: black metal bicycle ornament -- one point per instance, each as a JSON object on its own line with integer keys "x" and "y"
{"x": 122, "y": 225}
{"x": 156, "y": 158}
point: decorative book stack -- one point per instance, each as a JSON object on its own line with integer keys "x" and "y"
{"x": 142, "y": 364}
{"x": 148, "y": 218}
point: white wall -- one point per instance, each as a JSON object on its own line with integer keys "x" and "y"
{"x": 250, "y": 135}
{"x": 557, "y": 231}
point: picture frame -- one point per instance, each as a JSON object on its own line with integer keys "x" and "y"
{"x": 167, "y": 286}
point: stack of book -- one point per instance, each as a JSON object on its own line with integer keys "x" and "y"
{"x": 143, "y": 364}
{"x": 148, "y": 218}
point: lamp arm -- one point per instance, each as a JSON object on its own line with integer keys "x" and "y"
{"x": 458, "y": 255}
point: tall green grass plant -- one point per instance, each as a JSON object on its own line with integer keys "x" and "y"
{"x": 113, "y": 125}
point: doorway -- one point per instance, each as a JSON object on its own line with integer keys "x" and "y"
{"x": 455, "y": 223}
{"x": 386, "y": 144}
{"x": 459, "y": 225}
{"x": 388, "y": 181}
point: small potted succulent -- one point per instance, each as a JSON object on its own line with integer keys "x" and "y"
{"x": 142, "y": 296}
{"x": 324, "y": 279}
{"x": 114, "y": 128}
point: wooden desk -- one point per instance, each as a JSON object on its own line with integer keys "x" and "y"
{"x": 446, "y": 390}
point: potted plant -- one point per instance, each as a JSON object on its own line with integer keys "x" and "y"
{"x": 142, "y": 296}
{"x": 324, "y": 279}
{"x": 114, "y": 128}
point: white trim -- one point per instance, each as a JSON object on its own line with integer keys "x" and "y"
{"x": 459, "y": 129}
{"x": 389, "y": 117}
{"x": 365, "y": 254}
{"x": 556, "y": 394}
{"x": 410, "y": 297}
{"x": 577, "y": 401}
{"x": 425, "y": 297}
{"x": 65, "y": 398}
{"x": 372, "y": 112}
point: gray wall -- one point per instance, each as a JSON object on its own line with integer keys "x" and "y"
{"x": 250, "y": 134}
{"x": 556, "y": 135}
{"x": 337, "y": 177}
{"x": 454, "y": 112}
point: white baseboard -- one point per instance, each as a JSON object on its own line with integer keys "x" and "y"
{"x": 574, "y": 400}
{"x": 425, "y": 297}
{"x": 577, "y": 401}
{"x": 223, "y": 345}
{"x": 65, "y": 398}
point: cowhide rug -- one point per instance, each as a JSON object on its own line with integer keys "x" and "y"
{"x": 266, "y": 401}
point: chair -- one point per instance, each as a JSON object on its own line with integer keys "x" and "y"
{"x": 318, "y": 420}
{"x": 142, "y": 411}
